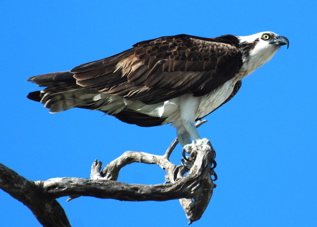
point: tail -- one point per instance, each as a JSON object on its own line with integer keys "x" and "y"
{"x": 61, "y": 92}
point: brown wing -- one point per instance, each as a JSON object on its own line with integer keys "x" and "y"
{"x": 157, "y": 70}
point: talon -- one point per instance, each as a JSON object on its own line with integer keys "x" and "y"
{"x": 214, "y": 176}
{"x": 189, "y": 146}
{"x": 213, "y": 164}
{"x": 184, "y": 156}
{"x": 186, "y": 163}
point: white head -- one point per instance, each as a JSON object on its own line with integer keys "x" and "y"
{"x": 259, "y": 48}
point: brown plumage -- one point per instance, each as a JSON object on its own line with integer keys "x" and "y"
{"x": 157, "y": 70}
{"x": 172, "y": 79}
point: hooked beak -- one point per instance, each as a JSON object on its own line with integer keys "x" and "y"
{"x": 280, "y": 41}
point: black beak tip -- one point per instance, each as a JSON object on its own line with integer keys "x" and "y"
{"x": 282, "y": 40}
{"x": 287, "y": 43}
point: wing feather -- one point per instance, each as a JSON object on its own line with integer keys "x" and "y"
{"x": 156, "y": 70}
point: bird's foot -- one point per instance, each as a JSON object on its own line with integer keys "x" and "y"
{"x": 187, "y": 161}
{"x": 188, "y": 148}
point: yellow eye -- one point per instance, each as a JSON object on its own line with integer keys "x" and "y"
{"x": 266, "y": 36}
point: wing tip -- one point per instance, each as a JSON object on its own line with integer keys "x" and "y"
{"x": 35, "y": 96}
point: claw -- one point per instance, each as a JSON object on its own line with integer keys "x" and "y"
{"x": 184, "y": 155}
{"x": 213, "y": 164}
{"x": 186, "y": 164}
{"x": 214, "y": 176}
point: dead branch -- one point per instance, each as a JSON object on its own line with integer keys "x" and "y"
{"x": 194, "y": 190}
{"x": 45, "y": 208}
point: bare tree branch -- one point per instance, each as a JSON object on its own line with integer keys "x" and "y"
{"x": 194, "y": 190}
{"x": 45, "y": 208}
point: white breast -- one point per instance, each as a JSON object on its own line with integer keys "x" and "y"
{"x": 213, "y": 100}
{"x": 207, "y": 103}
{"x": 170, "y": 109}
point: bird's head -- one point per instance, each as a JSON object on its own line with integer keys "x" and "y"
{"x": 259, "y": 48}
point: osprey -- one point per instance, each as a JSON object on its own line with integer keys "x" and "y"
{"x": 173, "y": 79}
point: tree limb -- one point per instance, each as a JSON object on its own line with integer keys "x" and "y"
{"x": 194, "y": 190}
{"x": 45, "y": 208}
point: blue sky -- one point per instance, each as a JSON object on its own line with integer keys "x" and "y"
{"x": 265, "y": 137}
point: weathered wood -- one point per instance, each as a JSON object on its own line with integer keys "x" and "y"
{"x": 205, "y": 155}
{"x": 45, "y": 208}
{"x": 197, "y": 184}
{"x": 194, "y": 190}
{"x": 108, "y": 189}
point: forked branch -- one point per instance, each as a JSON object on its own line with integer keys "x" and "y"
{"x": 194, "y": 190}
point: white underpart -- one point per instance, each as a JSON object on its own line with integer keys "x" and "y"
{"x": 170, "y": 109}
{"x": 181, "y": 111}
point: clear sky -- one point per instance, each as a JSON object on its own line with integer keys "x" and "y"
{"x": 265, "y": 137}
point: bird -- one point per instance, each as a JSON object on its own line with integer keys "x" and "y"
{"x": 174, "y": 80}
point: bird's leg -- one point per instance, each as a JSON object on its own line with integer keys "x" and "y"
{"x": 183, "y": 136}
{"x": 191, "y": 129}
{"x": 184, "y": 139}
{"x": 188, "y": 108}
